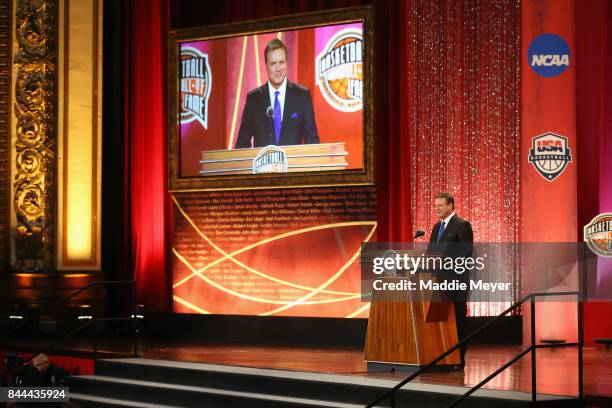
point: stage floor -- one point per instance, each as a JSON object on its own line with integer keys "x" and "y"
{"x": 557, "y": 368}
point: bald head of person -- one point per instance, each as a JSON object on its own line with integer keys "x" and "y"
{"x": 41, "y": 362}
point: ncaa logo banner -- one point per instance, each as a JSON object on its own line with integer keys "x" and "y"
{"x": 339, "y": 70}
{"x": 195, "y": 86}
{"x": 548, "y": 55}
{"x": 550, "y": 155}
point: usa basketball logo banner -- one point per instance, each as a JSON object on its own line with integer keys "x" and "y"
{"x": 271, "y": 159}
{"x": 195, "y": 86}
{"x": 550, "y": 155}
{"x": 598, "y": 234}
{"x": 339, "y": 70}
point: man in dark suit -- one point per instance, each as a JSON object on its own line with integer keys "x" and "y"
{"x": 452, "y": 237}
{"x": 279, "y": 112}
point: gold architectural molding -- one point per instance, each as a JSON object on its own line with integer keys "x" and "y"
{"x": 34, "y": 110}
{"x": 5, "y": 130}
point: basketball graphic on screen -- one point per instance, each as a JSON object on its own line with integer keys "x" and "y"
{"x": 339, "y": 87}
{"x": 339, "y": 70}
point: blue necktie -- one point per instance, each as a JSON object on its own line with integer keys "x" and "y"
{"x": 277, "y": 117}
{"x": 441, "y": 231}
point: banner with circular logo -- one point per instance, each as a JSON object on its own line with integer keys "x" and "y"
{"x": 339, "y": 70}
{"x": 598, "y": 234}
{"x": 548, "y": 55}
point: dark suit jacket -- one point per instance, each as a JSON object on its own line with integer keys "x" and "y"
{"x": 457, "y": 238}
{"x": 298, "y": 125}
{"x": 457, "y": 241}
{"x": 54, "y": 377}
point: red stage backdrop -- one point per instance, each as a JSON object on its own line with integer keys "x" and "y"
{"x": 548, "y": 110}
{"x": 447, "y": 119}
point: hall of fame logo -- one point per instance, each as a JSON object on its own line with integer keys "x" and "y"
{"x": 550, "y": 155}
{"x": 598, "y": 234}
{"x": 270, "y": 159}
{"x": 195, "y": 86}
{"x": 339, "y": 70}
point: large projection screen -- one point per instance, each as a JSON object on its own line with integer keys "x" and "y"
{"x": 284, "y": 243}
{"x": 222, "y": 111}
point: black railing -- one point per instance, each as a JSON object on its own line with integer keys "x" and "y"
{"x": 65, "y": 300}
{"x": 531, "y": 349}
{"x": 133, "y": 317}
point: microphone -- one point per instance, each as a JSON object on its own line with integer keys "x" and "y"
{"x": 389, "y": 253}
{"x": 418, "y": 233}
{"x": 271, "y": 136}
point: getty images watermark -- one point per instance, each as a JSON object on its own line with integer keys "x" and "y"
{"x": 391, "y": 262}
{"x": 479, "y": 272}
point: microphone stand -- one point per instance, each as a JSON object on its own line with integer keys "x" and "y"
{"x": 271, "y": 136}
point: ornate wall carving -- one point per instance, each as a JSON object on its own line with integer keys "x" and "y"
{"x": 35, "y": 101}
{"x": 5, "y": 129}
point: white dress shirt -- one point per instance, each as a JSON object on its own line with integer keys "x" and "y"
{"x": 281, "y": 95}
{"x": 445, "y": 221}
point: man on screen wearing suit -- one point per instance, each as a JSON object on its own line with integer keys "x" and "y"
{"x": 452, "y": 237}
{"x": 279, "y": 112}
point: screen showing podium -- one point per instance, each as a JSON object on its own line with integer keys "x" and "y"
{"x": 305, "y": 86}
{"x": 274, "y": 159}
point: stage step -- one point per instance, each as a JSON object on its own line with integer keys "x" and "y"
{"x": 150, "y": 392}
{"x": 172, "y": 383}
{"x": 93, "y": 401}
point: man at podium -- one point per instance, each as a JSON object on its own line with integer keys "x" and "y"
{"x": 452, "y": 236}
{"x": 279, "y": 112}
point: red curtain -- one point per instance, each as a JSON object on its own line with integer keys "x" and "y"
{"x": 450, "y": 119}
{"x": 145, "y": 118}
{"x": 392, "y": 116}
{"x": 594, "y": 135}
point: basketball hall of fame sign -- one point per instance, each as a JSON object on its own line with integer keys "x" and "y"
{"x": 195, "y": 86}
{"x": 271, "y": 159}
{"x": 550, "y": 155}
{"x": 339, "y": 70}
{"x": 598, "y": 234}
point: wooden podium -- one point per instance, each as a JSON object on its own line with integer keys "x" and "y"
{"x": 407, "y": 333}
{"x": 308, "y": 157}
